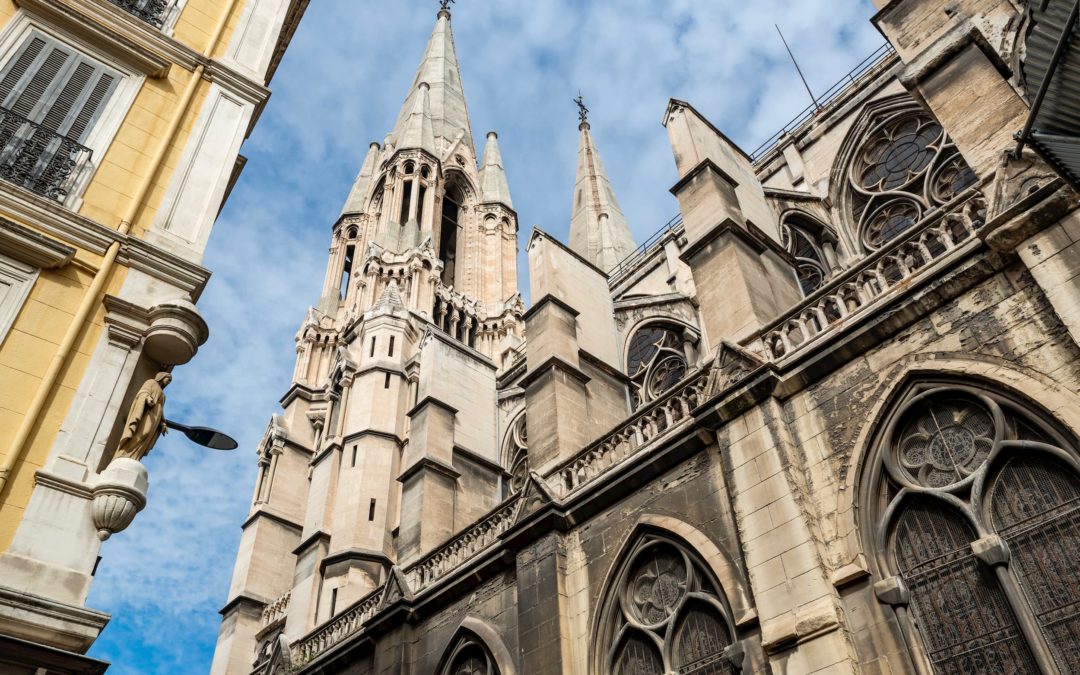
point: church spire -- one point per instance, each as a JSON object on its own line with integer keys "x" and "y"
{"x": 494, "y": 189}
{"x": 356, "y": 202}
{"x": 417, "y": 132}
{"x": 446, "y": 97}
{"x": 598, "y": 228}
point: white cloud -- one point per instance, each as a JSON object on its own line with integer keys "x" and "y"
{"x": 340, "y": 87}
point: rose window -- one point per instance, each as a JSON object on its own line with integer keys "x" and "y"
{"x": 906, "y": 167}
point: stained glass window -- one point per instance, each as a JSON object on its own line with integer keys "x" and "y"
{"x": 906, "y": 166}
{"x": 655, "y": 361}
{"x": 666, "y": 615}
{"x": 984, "y": 466}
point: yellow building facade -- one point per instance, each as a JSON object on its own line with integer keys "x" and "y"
{"x": 121, "y": 123}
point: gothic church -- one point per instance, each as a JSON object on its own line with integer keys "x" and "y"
{"x": 825, "y": 421}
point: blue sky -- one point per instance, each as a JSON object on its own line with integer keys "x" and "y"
{"x": 339, "y": 88}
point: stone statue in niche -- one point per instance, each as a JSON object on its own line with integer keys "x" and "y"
{"x": 146, "y": 419}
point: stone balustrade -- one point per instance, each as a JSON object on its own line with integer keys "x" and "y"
{"x": 645, "y": 427}
{"x": 462, "y": 548}
{"x": 910, "y": 255}
{"x": 276, "y": 609}
{"x": 337, "y": 629}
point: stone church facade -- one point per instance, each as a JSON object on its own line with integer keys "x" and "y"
{"x": 824, "y": 422}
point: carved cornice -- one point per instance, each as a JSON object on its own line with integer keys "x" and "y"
{"x": 107, "y": 27}
{"x": 146, "y": 48}
{"x": 33, "y": 248}
{"x": 127, "y": 322}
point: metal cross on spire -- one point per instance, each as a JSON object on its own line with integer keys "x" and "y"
{"x": 444, "y": 5}
{"x": 583, "y": 112}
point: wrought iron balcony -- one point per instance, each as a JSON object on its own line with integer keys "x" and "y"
{"x": 39, "y": 159}
{"x": 153, "y": 12}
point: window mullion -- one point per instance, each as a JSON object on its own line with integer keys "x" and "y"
{"x": 1040, "y": 648}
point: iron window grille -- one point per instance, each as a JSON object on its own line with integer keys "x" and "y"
{"x": 38, "y": 158}
{"x": 153, "y": 12}
{"x": 963, "y": 466}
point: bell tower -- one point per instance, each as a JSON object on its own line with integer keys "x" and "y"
{"x": 387, "y": 444}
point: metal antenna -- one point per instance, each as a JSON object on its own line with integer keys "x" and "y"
{"x": 801, "y": 76}
{"x": 583, "y": 112}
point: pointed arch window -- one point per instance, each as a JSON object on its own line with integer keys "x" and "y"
{"x": 470, "y": 657}
{"x": 904, "y": 166}
{"x": 814, "y": 249}
{"x": 655, "y": 361}
{"x": 449, "y": 230}
{"x": 516, "y": 456}
{"x": 979, "y": 503}
{"x": 664, "y": 614}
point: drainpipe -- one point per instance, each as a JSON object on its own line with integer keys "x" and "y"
{"x": 91, "y": 299}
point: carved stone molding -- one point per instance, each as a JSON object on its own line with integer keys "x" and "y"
{"x": 33, "y": 248}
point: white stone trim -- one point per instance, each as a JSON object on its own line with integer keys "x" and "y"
{"x": 104, "y": 130}
{"x": 16, "y": 280}
{"x": 256, "y": 36}
{"x": 190, "y": 206}
{"x": 90, "y": 419}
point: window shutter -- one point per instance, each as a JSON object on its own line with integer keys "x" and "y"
{"x": 52, "y": 85}
{"x": 19, "y": 65}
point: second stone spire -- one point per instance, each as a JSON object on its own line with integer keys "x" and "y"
{"x": 598, "y": 229}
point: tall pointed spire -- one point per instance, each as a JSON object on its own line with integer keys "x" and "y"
{"x": 439, "y": 69}
{"x": 493, "y": 185}
{"x": 356, "y": 201}
{"x": 598, "y": 228}
{"x": 417, "y": 132}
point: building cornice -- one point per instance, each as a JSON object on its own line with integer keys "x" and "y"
{"x": 146, "y": 48}
{"x": 33, "y": 248}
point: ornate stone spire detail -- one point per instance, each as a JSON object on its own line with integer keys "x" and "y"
{"x": 417, "y": 133}
{"x": 357, "y": 200}
{"x": 390, "y": 300}
{"x": 494, "y": 189}
{"x": 598, "y": 228}
{"x": 439, "y": 69}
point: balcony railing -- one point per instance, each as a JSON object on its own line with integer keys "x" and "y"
{"x": 462, "y": 548}
{"x": 849, "y": 295}
{"x": 643, "y": 429}
{"x": 337, "y": 629}
{"x": 153, "y": 12}
{"x": 39, "y": 159}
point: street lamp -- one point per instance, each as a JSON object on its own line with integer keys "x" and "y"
{"x": 208, "y": 438}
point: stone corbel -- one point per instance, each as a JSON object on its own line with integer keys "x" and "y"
{"x": 118, "y": 496}
{"x": 992, "y": 550}
{"x": 177, "y": 330}
{"x": 892, "y": 591}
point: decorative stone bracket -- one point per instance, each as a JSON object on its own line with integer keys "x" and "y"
{"x": 177, "y": 330}
{"x": 892, "y": 591}
{"x": 118, "y": 496}
{"x": 991, "y": 550}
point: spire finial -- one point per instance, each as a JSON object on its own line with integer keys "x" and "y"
{"x": 444, "y": 7}
{"x": 583, "y": 112}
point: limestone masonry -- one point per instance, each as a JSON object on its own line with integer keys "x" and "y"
{"x": 824, "y": 422}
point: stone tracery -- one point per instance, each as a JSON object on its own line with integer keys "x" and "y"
{"x": 961, "y": 461}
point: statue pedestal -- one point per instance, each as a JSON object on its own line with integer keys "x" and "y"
{"x": 119, "y": 495}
